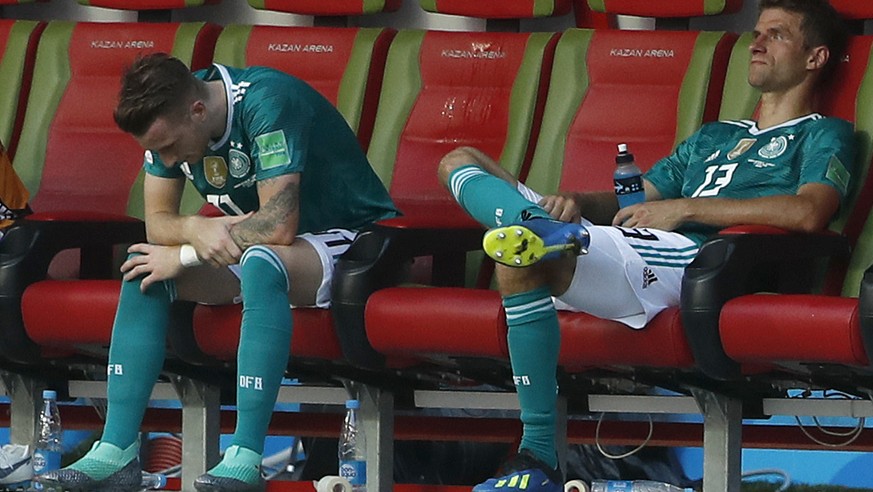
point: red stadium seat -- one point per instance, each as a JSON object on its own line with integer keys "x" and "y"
{"x": 344, "y": 64}
{"x": 80, "y": 170}
{"x": 423, "y": 113}
{"x": 592, "y": 92}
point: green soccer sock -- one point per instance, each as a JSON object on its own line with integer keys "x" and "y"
{"x": 239, "y": 463}
{"x": 136, "y": 355}
{"x": 265, "y": 340}
{"x": 534, "y": 340}
{"x": 490, "y": 200}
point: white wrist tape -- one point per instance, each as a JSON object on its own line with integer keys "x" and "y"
{"x": 188, "y": 256}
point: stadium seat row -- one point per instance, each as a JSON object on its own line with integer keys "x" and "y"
{"x": 549, "y": 106}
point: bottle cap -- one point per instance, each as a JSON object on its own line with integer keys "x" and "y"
{"x": 353, "y": 404}
{"x": 49, "y": 395}
{"x": 623, "y": 156}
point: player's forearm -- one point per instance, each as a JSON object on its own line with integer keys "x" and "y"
{"x": 264, "y": 229}
{"x": 790, "y": 212}
{"x": 168, "y": 229}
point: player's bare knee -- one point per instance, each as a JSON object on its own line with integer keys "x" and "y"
{"x": 461, "y": 156}
{"x": 511, "y": 280}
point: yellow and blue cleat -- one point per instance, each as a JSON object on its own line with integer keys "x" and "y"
{"x": 533, "y": 240}
{"x": 523, "y": 473}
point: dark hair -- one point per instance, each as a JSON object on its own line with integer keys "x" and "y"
{"x": 822, "y": 25}
{"x": 153, "y": 86}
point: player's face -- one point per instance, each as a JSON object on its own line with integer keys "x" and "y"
{"x": 780, "y": 58}
{"x": 176, "y": 138}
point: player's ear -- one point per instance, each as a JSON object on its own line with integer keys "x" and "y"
{"x": 818, "y": 58}
{"x": 197, "y": 110}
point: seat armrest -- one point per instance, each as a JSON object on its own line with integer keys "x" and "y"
{"x": 745, "y": 260}
{"x": 27, "y": 250}
{"x": 380, "y": 257}
{"x": 865, "y": 311}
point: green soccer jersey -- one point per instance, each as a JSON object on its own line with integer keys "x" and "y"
{"x": 734, "y": 159}
{"x": 277, "y": 125}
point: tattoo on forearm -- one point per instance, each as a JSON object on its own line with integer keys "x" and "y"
{"x": 260, "y": 227}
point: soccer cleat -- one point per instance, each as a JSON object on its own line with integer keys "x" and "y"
{"x": 127, "y": 479}
{"x": 211, "y": 483}
{"x": 15, "y": 465}
{"x": 530, "y": 241}
{"x": 523, "y": 473}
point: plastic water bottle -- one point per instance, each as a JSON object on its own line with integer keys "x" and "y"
{"x": 153, "y": 481}
{"x": 47, "y": 450}
{"x": 633, "y": 486}
{"x": 628, "y": 179}
{"x": 352, "y": 446}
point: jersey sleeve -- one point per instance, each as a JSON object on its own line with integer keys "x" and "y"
{"x": 829, "y": 155}
{"x": 153, "y": 165}
{"x": 667, "y": 175}
{"x": 279, "y": 125}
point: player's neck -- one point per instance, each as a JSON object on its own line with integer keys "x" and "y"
{"x": 779, "y": 107}
{"x": 217, "y": 108}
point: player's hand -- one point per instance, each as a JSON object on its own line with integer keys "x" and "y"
{"x": 666, "y": 215}
{"x": 563, "y": 207}
{"x": 213, "y": 242}
{"x": 154, "y": 263}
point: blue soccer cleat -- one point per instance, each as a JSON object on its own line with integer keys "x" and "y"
{"x": 530, "y": 241}
{"x": 523, "y": 473}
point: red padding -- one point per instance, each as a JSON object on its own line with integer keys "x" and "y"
{"x": 447, "y": 321}
{"x": 504, "y": 9}
{"x": 590, "y": 341}
{"x": 853, "y": 9}
{"x": 145, "y": 4}
{"x": 671, "y": 8}
{"x": 321, "y": 7}
{"x": 803, "y": 328}
{"x": 79, "y": 216}
{"x": 217, "y": 330}
{"x": 70, "y": 312}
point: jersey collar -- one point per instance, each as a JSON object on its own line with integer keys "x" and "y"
{"x": 753, "y": 125}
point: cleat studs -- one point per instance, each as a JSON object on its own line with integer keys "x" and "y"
{"x": 501, "y": 235}
{"x": 517, "y": 261}
{"x": 583, "y": 251}
{"x": 519, "y": 232}
{"x": 498, "y": 254}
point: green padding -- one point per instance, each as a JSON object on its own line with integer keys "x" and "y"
{"x": 258, "y": 4}
{"x": 569, "y": 83}
{"x": 400, "y": 86}
{"x": 597, "y": 5}
{"x": 373, "y": 6}
{"x": 230, "y": 49}
{"x": 50, "y": 77}
{"x": 12, "y": 68}
{"x": 353, "y": 86}
{"x": 543, "y": 8}
{"x": 522, "y": 103}
{"x": 695, "y": 85}
{"x": 713, "y": 7}
{"x": 429, "y": 5}
{"x": 862, "y": 257}
{"x": 186, "y": 39}
{"x": 739, "y": 98}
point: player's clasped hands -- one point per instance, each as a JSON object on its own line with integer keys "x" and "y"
{"x": 213, "y": 242}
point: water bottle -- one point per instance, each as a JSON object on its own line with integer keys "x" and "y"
{"x": 153, "y": 481}
{"x": 352, "y": 449}
{"x": 633, "y": 486}
{"x": 47, "y": 450}
{"x": 628, "y": 179}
